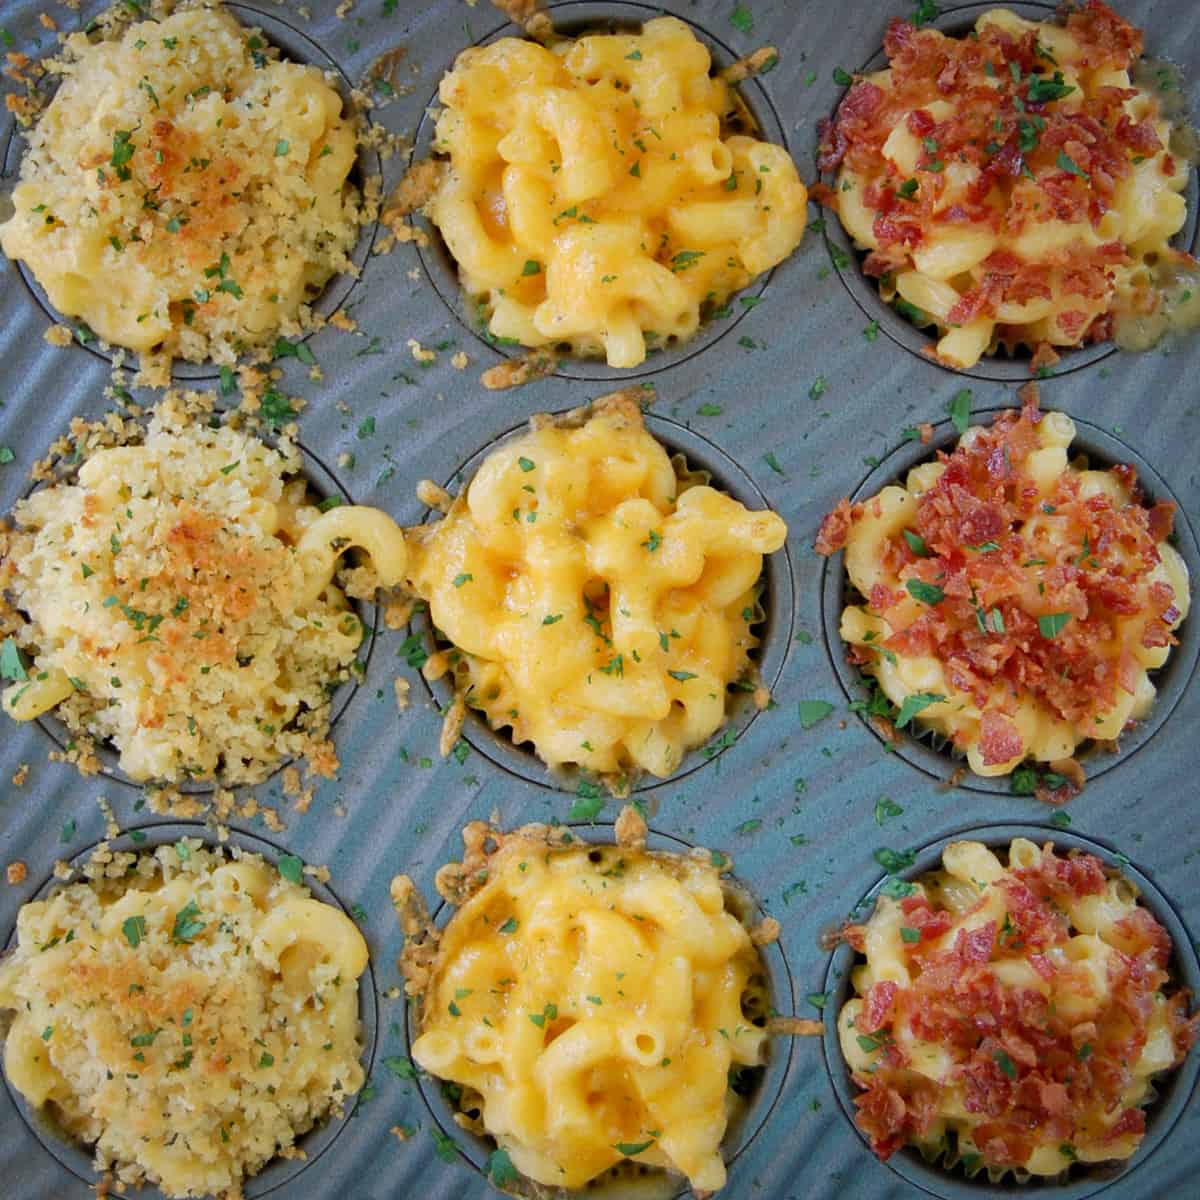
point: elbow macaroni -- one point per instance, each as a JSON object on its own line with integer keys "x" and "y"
{"x": 918, "y": 674}
{"x": 599, "y": 605}
{"x": 180, "y": 601}
{"x": 188, "y": 1019}
{"x": 977, "y": 217}
{"x": 185, "y": 193}
{"x": 591, "y": 1002}
{"x": 995, "y": 1003}
{"x": 592, "y": 197}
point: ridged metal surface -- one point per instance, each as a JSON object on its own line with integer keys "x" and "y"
{"x": 821, "y": 783}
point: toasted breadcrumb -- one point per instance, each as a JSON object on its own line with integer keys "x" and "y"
{"x": 795, "y": 1027}
{"x": 757, "y": 63}
{"x": 58, "y": 335}
{"x": 630, "y": 829}
{"x": 271, "y": 820}
{"x": 402, "y": 687}
{"x": 433, "y": 496}
{"x": 452, "y": 724}
{"x": 111, "y": 828}
{"x": 420, "y": 935}
{"x": 20, "y": 775}
{"x": 536, "y": 364}
{"x": 766, "y": 932}
{"x": 414, "y": 191}
{"x": 15, "y": 872}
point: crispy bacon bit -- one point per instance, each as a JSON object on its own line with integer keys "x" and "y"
{"x": 1004, "y": 554}
{"x": 877, "y": 1011}
{"x": 1162, "y": 520}
{"x": 852, "y": 935}
{"x": 1031, "y": 1074}
{"x": 975, "y": 945}
{"x": 832, "y": 535}
{"x": 823, "y": 194}
{"x": 999, "y": 739}
{"x": 1030, "y": 160}
{"x": 890, "y": 1116}
{"x": 918, "y": 915}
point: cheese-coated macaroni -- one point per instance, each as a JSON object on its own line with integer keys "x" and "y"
{"x": 591, "y": 1002}
{"x": 1015, "y": 601}
{"x": 1011, "y": 1015}
{"x": 187, "y": 1014}
{"x": 601, "y": 605}
{"x": 177, "y": 599}
{"x": 1013, "y": 187}
{"x": 185, "y": 192}
{"x": 593, "y": 196}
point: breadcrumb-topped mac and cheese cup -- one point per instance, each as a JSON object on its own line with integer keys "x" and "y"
{"x": 185, "y": 193}
{"x": 174, "y": 596}
{"x": 187, "y": 1014}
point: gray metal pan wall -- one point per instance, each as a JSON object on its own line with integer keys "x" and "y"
{"x": 794, "y": 379}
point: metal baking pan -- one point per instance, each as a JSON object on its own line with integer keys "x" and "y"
{"x": 796, "y": 406}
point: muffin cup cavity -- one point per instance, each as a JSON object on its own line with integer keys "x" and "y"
{"x": 933, "y": 755}
{"x": 629, "y": 1179}
{"x": 72, "y": 1156}
{"x": 1170, "y": 1092}
{"x": 577, "y": 18}
{"x": 774, "y": 631}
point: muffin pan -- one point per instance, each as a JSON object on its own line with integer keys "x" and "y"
{"x": 788, "y": 403}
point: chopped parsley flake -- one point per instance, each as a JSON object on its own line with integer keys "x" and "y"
{"x": 291, "y": 868}
{"x": 914, "y": 703}
{"x": 1052, "y": 624}
{"x": 960, "y": 409}
{"x": 813, "y": 712}
{"x": 926, "y": 593}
